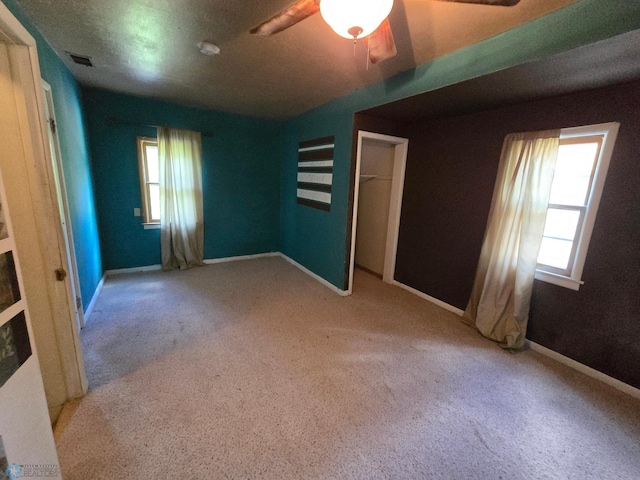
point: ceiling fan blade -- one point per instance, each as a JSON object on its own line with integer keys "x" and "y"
{"x": 285, "y": 19}
{"x": 381, "y": 44}
{"x": 498, "y": 3}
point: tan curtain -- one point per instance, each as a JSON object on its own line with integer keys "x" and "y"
{"x": 181, "y": 218}
{"x": 499, "y": 304}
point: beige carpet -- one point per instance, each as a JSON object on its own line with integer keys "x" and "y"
{"x": 254, "y": 370}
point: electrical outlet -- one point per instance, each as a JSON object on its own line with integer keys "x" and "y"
{"x": 136, "y": 212}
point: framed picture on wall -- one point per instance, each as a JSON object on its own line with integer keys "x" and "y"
{"x": 315, "y": 173}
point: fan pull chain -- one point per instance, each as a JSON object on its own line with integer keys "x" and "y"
{"x": 355, "y": 31}
{"x": 368, "y": 50}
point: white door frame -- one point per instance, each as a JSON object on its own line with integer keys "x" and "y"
{"x": 75, "y": 300}
{"x": 24, "y": 421}
{"x": 397, "y": 188}
{"x": 42, "y": 198}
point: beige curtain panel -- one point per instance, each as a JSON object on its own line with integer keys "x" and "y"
{"x": 501, "y": 295}
{"x": 181, "y": 217}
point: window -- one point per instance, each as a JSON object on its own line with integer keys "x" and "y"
{"x": 149, "y": 179}
{"x": 581, "y": 168}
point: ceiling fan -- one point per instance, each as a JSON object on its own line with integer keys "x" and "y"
{"x": 353, "y": 19}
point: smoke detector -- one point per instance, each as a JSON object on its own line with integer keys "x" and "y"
{"x": 207, "y": 48}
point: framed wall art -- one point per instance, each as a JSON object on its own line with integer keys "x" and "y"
{"x": 315, "y": 173}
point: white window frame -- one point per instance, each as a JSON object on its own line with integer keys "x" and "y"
{"x": 144, "y": 182}
{"x": 573, "y": 279}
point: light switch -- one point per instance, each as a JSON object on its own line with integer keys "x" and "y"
{"x": 136, "y": 212}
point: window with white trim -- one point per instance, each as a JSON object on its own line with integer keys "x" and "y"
{"x": 581, "y": 168}
{"x": 149, "y": 179}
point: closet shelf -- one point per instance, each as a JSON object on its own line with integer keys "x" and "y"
{"x": 366, "y": 178}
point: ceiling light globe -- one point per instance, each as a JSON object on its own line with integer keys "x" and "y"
{"x": 343, "y": 15}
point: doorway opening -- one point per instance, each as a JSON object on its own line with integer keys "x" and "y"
{"x": 377, "y": 201}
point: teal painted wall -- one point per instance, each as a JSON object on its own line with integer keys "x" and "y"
{"x": 250, "y": 203}
{"x": 241, "y": 166}
{"x": 75, "y": 157}
{"x": 317, "y": 239}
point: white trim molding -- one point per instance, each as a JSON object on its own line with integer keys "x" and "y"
{"x": 237, "y": 258}
{"x": 327, "y": 284}
{"x": 557, "y": 279}
{"x": 572, "y": 278}
{"x": 94, "y": 299}
{"x": 56, "y": 306}
{"x": 591, "y": 372}
{"x": 547, "y": 352}
{"x": 429, "y": 298}
{"x": 401, "y": 146}
{"x": 118, "y": 271}
{"x": 212, "y": 261}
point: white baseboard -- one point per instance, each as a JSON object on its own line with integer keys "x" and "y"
{"x": 148, "y": 268}
{"x": 94, "y": 299}
{"x": 558, "y": 357}
{"x": 429, "y": 298}
{"x": 54, "y": 414}
{"x": 327, "y": 284}
{"x": 241, "y": 257}
{"x": 591, "y": 372}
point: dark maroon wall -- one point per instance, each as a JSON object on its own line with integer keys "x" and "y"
{"x": 451, "y": 172}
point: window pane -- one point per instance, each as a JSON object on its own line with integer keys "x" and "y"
{"x": 573, "y": 173}
{"x": 561, "y": 223}
{"x": 153, "y": 169}
{"x": 154, "y": 199}
{"x": 555, "y": 253}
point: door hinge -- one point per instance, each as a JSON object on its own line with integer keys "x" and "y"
{"x": 52, "y": 125}
{"x": 78, "y": 303}
{"x": 61, "y": 274}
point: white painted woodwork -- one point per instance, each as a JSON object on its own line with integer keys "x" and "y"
{"x": 373, "y": 205}
{"x": 24, "y": 419}
{"x": 71, "y": 265}
{"x": 400, "y": 148}
{"x": 28, "y": 174}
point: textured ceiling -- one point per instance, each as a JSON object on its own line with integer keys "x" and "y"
{"x": 610, "y": 61}
{"x": 148, "y": 48}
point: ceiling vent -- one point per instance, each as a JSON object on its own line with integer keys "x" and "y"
{"x": 80, "y": 59}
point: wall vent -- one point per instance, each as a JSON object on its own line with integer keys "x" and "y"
{"x": 81, "y": 59}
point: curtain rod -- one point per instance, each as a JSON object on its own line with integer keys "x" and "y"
{"x": 114, "y": 121}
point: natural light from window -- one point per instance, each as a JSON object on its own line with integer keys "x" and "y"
{"x": 149, "y": 180}
{"x": 580, "y": 172}
{"x": 568, "y": 202}
{"x": 153, "y": 179}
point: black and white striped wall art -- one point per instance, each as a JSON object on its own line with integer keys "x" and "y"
{"x": 315, "y": 173}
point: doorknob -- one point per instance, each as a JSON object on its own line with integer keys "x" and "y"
{"x": 61, "y": 274}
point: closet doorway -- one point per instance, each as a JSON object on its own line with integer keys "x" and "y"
{"x": 380, "y": 168}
